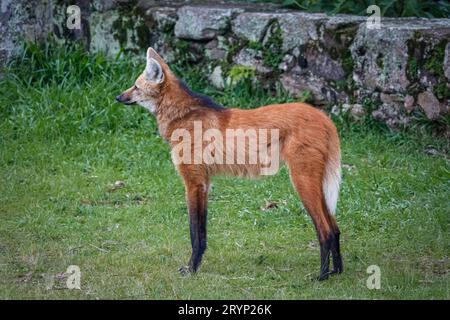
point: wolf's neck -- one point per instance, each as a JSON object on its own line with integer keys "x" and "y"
{"x": 177, "y": 102}
{"x": 167, "y": 115}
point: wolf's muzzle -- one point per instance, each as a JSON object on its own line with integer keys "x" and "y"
{"x": 120, "y": 99}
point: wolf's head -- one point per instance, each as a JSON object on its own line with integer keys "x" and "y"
{"x": 147, "y": 88}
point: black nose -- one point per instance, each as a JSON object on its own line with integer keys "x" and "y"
{"x": 119, "y": 98}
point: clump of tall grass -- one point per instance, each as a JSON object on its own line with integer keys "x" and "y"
{"x": 55, "y": 91}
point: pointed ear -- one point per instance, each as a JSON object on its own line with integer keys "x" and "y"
{"x": 151, "y": 53}
{"x": 153, "y": 71}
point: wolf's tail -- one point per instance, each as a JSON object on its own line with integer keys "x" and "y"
{"x": 332, "y": 175}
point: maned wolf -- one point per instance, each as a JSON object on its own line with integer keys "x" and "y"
{"x": 299, "y": 135}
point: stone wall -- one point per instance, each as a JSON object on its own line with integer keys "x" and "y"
{"x": 29, "y": 20}
{"x": 395, "y": 73}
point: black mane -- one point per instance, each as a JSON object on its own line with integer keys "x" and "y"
{"x": 203, "y": 100}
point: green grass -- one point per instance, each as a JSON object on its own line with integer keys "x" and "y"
{"x": 64, "y": 142}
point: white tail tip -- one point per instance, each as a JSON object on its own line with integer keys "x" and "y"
{"x": 331, "y": 182}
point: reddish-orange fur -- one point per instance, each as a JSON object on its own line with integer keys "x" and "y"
{"x": 308, "y": 141}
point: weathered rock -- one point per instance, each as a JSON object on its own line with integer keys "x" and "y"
{"x": 163, "y": 17}
{"x": 381, "y": 55}
{"x": 112, "y": 32}
{"x": 217, "y": 78}
{"x": 336, "y": 37}
{"x": 30, "y": 20}
{"x": 356, "y": 111}
{"x": 104, "y": 5}
{"x": 287, "y": 63}
{"x": 337, "y": 33}
{"x": 391, "y": 116}
{"x": 371, "y": 61}
{"x": 347, "y": 21}
{"x": 103, "y": 33}
{"x": 161, "y": 22}
{"x": 321, "y": 64}
{"x": 429, "y": 104}
{"x": 409, "y": 103}
{"x": 296, "y": 52}
{"x": 212, "y": 44}
{"x": 427, "y": 79}
{"x": 298, "y": 28}
{"x": 394, "y": 100}
{"x": 447, "y": 61}
{"x": 214, "y": 50}
{"x": 252, "y": 58}
{"x": 203, "y": 24}
{"x": 252, "y": 25}
{"x": 297, "y": 82}
{"x": 216, "y": 54}
{"x": 223, "y": 43}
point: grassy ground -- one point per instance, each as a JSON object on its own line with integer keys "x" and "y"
{"x": 64, "y": 142}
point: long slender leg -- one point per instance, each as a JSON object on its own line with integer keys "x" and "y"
{"x": 338, "y": 266}
{"x": 311, "y": 198}
{"x": 307, "y": 180}
{"x": 196, "y": 195}
{"x": 335, "y": 243}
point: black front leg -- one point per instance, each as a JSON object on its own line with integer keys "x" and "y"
{"x": 197, "y": 206}
{"x": 198, "y": 239}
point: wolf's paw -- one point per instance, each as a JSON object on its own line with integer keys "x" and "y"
{"x": 185, "y": 270}
{"x": 323, "y": 276}
{"x": 336, "y": 271}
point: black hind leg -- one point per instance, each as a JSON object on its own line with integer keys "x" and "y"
{"x": 325, "y": 247}
{"x": 338, "y": 267}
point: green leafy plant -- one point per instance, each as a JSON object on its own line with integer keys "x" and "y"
{"x": 434, "y": 64}
{"x": 238, "y": 73}
{"x": 272, "y": 52}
